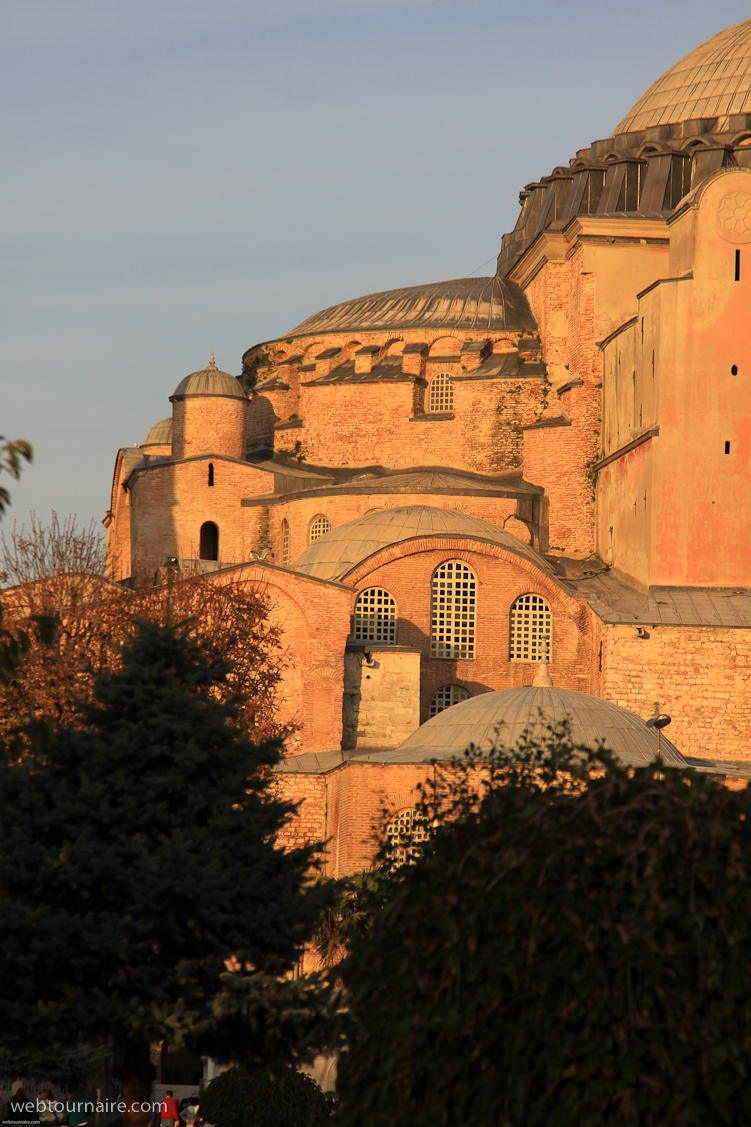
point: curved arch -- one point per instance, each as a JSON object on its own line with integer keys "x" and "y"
{"x": 447, "y": 696}
{"x": 453, "y": 603}
{"x": 694, "y": 143}
{"x": 208, "y": 542}
{"x": 318, "y": 527}
{"x": 530, "y": 636}
{"x": 445, "y": 346}
{"x": 374, "y": 617}
{"x": 440, "y": 394}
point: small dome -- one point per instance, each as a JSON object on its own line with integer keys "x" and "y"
{"x": 209, "y": 381}
{"x": 474, "y": 721}
{"x": 711, "y": 81}
{"x": 160, "y": 434}
{"x": 471, "y": 304}
{"x": 336, "y": 553}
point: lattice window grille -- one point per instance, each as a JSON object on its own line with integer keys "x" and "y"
{"x": 404, "y": 834}
{"x": 320, "y": 526}
{"x": 441, "y": 398}
{"x": 445, "y": 697}
{"x": 375, "y": 617}
{"x": 530, "y": 630}
{"x": 285, "y": 544}
{"x": 452, "y": 618}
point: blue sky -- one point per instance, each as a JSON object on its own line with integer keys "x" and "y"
{"x": 185, "y": 176}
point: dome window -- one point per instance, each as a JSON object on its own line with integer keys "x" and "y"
{"x": 530, "y": 630}
{"x": 319, "y": 527}
{"x": 374, "y": 619}
{"x": 452, "y": 615}
{"x": 404, "y": 834}
{"x": 441, "y": 394}
{"x": 209, "y": 542}
{"x": 284, "y": 543}
{"x": 446, "y": 697}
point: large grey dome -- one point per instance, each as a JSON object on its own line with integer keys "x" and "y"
{"x": 336, "y": 553}
{"x": 474, "y": 721}
{"x": 209, "y": 381}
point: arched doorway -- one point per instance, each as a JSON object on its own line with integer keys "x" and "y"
{"x": 209, "y": 548}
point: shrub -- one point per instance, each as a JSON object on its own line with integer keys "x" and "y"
{"x": 242, "y": 1097}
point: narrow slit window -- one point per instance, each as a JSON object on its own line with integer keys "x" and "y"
{"x": 737, "y": 266}
{"x": 734, "y": 370}
{"x": 211, "y": 474}
{"x": 727, "y": 447}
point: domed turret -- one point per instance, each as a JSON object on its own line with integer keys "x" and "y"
{"x": 209, "y": 411}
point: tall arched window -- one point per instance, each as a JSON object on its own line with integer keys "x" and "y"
{"x": 445, "y": 697}
{"x": 530, "y": 630}
{"x": 404, "y": 833}
{"x": 374, "y": 619}
{"x": 452, "y": 612}
{"x": 209, "y": 543}
{"x": 319, "y": 527}
{"x": 284, "y": 543}
{"x": 441, "y": 394}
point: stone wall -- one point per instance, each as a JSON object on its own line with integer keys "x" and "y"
{"x": 381, "y": 695}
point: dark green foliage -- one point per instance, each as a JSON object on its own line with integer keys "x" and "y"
{"x": 358, "y": 901}
{"x": 254, "y": 1098}
{"x": 571, "y": 950}
{"x": 141, "y": 894}
{"x": 11, "y": 454}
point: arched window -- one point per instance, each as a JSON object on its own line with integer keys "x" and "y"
{"x": 319, "y": 527}
{"x": 452, "y": 612}
{"x": 445, "y": 697}
{"x": 284, "y": 544}
{"x": 404, "y": 833}
{"x": 209, "y": 541}
{"x": 441, "y": 394}
{"x": 530, "y": 630}
{"x": 374, "y": 618}
{"x": 211, "y": 474}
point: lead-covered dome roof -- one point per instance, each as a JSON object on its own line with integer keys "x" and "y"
{"x": 341, "y": 549}
{"x": 713, "y": 80}
{"x": 471, "y": 304}
{"x": 160, "y": 434}
{"x": 475, "y": 721}
{"x": 209, "y": 381}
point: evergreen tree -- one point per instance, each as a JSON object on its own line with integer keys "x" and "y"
{"x": 142, "y": 896}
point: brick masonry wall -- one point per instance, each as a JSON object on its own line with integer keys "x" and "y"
{"x": 170, "y": 502}
{"x": 405, "y": 571}
{"x": 209, "y": 424}
{"x": 700, "y": 677}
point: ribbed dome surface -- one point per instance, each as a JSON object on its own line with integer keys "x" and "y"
{"x": 160, "y": 434}
{"x": 711, "y": 81}
{"x": 209, "y": 381}
{"x": 340, "y": 550}
{"x": 474, "y": 721}
{"x": 471, "y": 304}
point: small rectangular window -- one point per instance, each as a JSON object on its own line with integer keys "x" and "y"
{"x": 727, "y": 447}
{"x": 737, "y": 266}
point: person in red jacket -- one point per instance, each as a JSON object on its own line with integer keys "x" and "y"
{"x": 169, "y": 1110}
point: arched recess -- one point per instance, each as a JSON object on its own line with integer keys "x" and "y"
{"x": 452, "y": 611}
{"x": 530, "y": 629}
{"x": 209, "y": 541}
